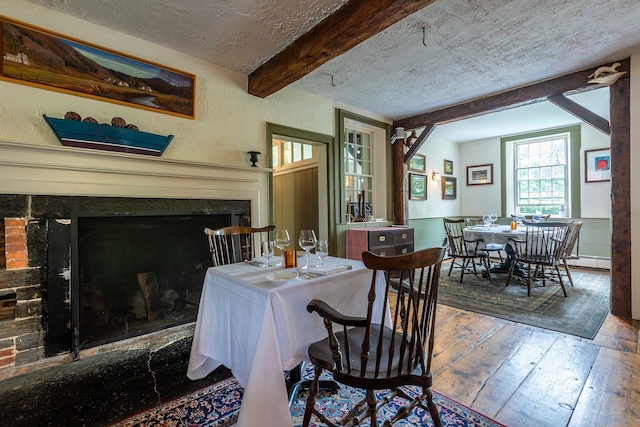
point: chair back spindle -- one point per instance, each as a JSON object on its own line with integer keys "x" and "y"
{"x": 233, "y": 244}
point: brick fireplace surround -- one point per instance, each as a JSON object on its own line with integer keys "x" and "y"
{"x": 42, "y": 182}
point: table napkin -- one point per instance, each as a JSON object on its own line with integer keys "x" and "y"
{"x": 328, "y": 269}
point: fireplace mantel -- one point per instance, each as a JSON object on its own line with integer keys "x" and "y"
{"x": 39, "y": 169}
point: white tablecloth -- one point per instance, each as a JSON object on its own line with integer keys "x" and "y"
{"x": 499, "y": 234}
{"x": 259, "y": 329}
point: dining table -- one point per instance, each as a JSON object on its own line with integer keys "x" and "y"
{"x": 494, "y": 234}
{"x": 253, "y": 320}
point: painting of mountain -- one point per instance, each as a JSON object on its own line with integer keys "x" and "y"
{"x": 39, "y": 58}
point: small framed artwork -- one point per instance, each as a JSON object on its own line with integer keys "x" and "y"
{"x": 480, "y": 174}
{"x": 418, "y": 163}
{"x": 448, "y": 167}
{"x": 597, "y": 165}
{"x": 417, "y": 186}
{"x": 449, "y": 190}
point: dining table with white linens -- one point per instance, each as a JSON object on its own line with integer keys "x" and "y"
{"x": 495, "y": 234}
{"x": 259, "y": 328}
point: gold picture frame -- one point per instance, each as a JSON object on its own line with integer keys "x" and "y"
{"x": 40, "y": 58}
{"x": 418, "y": 163}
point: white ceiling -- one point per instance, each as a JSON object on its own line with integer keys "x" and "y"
{"x": 449, "y": 52}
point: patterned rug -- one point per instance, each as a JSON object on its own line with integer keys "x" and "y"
{"x": 218, "y": 406}
{"x": 581, "y": 313}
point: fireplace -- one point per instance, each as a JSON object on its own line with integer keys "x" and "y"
{"x": 104, "y": 269}
{"x": 135, "y": 274}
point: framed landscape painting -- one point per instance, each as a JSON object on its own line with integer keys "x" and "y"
{"x": 597, "y": 165}
{"x": 449, "y": 190}
{"x": 480, "y": 174}
{"x": 418, "y": 163}
{"x": 417, "y": 186}
{"x": 448, "y": 167}
{"x": 37, "y": 57}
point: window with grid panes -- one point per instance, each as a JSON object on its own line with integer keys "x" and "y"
{"x": 542, "y": 175}
{"x": 357, "y": 157}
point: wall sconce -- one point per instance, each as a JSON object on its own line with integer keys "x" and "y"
{"x": 435, "y": 176}
{"x": 254, "y": 157}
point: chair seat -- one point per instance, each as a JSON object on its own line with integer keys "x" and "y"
{"x": 320, "y": 354}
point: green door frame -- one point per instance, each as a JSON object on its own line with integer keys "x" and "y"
{"x": 300, "y": 134}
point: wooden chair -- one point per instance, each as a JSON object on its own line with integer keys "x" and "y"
{"x": 466, "y": 251}
{"x": 542, "y": 248}
{"x": 233, "y": 244}
{"x": 366, "y": 355}
{"x": 572, "y": 243}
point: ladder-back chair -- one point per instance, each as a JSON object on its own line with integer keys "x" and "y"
{"x": 233, "y": 244}
{"x": 542, "y": 248}
{"x": 371, "y": 354}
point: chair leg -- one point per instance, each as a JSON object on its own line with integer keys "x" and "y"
{"x": 488, "y": 267}
{"x": 566, "y": 268}
{"x": 311, "y": 400}
{"x": 529, "y": 277}
{"x": 564, "y": 291}
{"x": 373, "y": 407}
{"x": 453, "y": 261}
{"x": 433, "y": 409}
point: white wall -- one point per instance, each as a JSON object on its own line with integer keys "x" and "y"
{"x": 477, "y": 200}
{"x": 436, "y": 150}
{"x": 229, "y": 122}
{"x": 596, "y": 196}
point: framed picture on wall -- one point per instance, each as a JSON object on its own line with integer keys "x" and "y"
{"x": 480, "y": 174}
{"x": 418, "y": 163}
{"x": 597, "y": 165}
{"x": 449, "y": 190}
{"x": 40, "y": 58}
{"x": 417, "y": 186}
{"x": 448, "y": 167}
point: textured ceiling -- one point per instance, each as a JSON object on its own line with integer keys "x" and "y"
{"x": 449, "y": 52}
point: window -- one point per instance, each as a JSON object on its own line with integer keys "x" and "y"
{"x": 542, "y": 175}
{"x": 288, "y": 153}
{"x": 358, "y": 170}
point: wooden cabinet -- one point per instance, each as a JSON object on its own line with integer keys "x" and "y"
{"x": 384, "y": 241}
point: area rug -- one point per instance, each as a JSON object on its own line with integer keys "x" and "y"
{"x": 218, "y": 406}
{"x": 581, "y": 313}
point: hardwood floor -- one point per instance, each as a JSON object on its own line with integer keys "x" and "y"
{"x": 524, "y": 376}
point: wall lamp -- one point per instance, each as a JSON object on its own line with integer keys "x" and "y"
{"x": 435, "y": 176}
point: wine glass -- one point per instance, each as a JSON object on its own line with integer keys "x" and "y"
{"x": 322, "y": 250}
{"x": 282, "y": 240}
{"x": 267, "y": 251}
{"x": 486, "y": 220}
{"x": 520, "y": 220}
{"x": 494, "y": 218}
{"x": 307, "y": 241}
{"x": 536, "y": 218}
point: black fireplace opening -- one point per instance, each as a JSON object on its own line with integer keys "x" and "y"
{"x": 135, "y": 274}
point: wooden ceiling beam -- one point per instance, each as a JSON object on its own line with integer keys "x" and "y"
{"x": 353, "y": 23}
{"x": 502, "y": 101}
{"x": 580, "y": 112}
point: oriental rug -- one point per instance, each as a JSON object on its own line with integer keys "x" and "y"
{"x": 581, "y": 313}
{"x": 218, "y": 406}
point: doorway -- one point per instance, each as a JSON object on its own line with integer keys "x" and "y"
{"x": 300, "y": 184}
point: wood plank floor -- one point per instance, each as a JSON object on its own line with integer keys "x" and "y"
{"x": 524, "y": 376}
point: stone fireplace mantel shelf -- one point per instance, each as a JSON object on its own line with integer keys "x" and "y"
{"x": 39, "y": 169}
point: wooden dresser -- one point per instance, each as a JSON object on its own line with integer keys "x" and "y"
{"x": 386, "y": 241}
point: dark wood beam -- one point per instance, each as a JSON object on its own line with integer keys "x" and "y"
{"x": 353, "y": 23}
{"x": 619, "y": 106}
{"x": 502, "y": 101}
{"x": 418, "y": 143}
{"x": 399, "y": 200}
{"x": 580, "y": 112}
